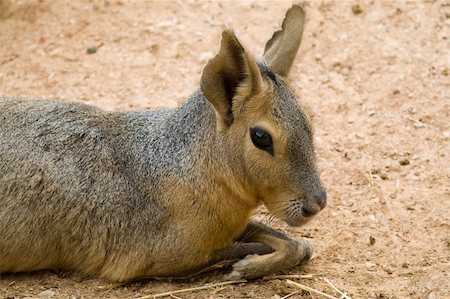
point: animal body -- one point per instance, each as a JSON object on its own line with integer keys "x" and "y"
{"x": 130, "y": 195}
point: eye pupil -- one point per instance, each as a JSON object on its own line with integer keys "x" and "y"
{"x": 262, "y": 140}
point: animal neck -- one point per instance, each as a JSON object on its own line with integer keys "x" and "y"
{"x": 218, "y": 163}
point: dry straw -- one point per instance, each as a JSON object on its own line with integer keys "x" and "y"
{"x": 205, "y": 287}
{"x": 311, "y": 290}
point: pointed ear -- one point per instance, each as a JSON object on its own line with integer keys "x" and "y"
{"x": 231, "y": 68}
{"x": 280, "y": 50}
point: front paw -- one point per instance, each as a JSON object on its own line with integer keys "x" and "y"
{"x": 307, "y": 249}
{"x": 252, "y": 266}
{"x": 234, "y": 275}
{"x": 238, "y": 271}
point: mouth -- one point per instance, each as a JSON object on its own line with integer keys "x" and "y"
{"x": 297, "y": 220}
{"x": 299, "y": 212}
{"x": 294, "y": 211}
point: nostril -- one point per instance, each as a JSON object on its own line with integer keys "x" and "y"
{"x": 307, "y": 212}
{"x": 320, "y": 198}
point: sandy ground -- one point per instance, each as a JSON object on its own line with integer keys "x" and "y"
{"x": 375, "y": 76}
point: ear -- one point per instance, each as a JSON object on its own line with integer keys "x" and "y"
{"x": 280, "y": 50}
{"x": 231, "y": 68}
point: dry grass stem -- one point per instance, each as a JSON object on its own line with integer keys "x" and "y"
{"x": 306, "y": 288}
{"x": 205, "y": 287}
{"x": 343, "y": 294}
{"x": 290, "y": 295}
{"x": 371, "y": 180}
{"x": 112, "y": 286}
{"x": 417, "y": 122}
{"x": 293, "y": 276}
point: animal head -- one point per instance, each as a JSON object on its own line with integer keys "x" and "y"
{"x": 261, "y": 123}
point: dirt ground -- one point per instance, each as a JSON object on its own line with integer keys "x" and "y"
{"x": 374, "y": 75}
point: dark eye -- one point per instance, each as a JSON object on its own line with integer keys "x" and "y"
{"x": 262, "y": 140}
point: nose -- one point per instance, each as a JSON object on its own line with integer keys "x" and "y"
{"x": 314, "y": 203}
{"x": 320, "y": 198}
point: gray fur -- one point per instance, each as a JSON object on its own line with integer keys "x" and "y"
{"x": 78, "y": 180}
{"x": 127, "y": 195}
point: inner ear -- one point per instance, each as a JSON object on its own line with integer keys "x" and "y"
{"x": 281, "y": 49}
{"x": 231, "y": 69}
{"x": 230, "y": 83}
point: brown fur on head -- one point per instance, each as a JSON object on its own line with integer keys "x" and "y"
{"x": 253, "y": 106}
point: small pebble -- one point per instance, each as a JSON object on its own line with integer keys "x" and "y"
{"x": 372, "y": 240}
{"x": 356, "y": 9}
{"x": 412, "y": 110}
{"x": 388, "y": 270}
{"x": 370, "y": 265}
{"x": 167, "y": 24}
{"x": 91, "y": 49}
{"x": 372, "y": 218}
{"x": 403, "y": 162}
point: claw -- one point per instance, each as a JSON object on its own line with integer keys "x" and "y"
{"x": 234, "y": 275}
{"x": 308, "y": 250}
